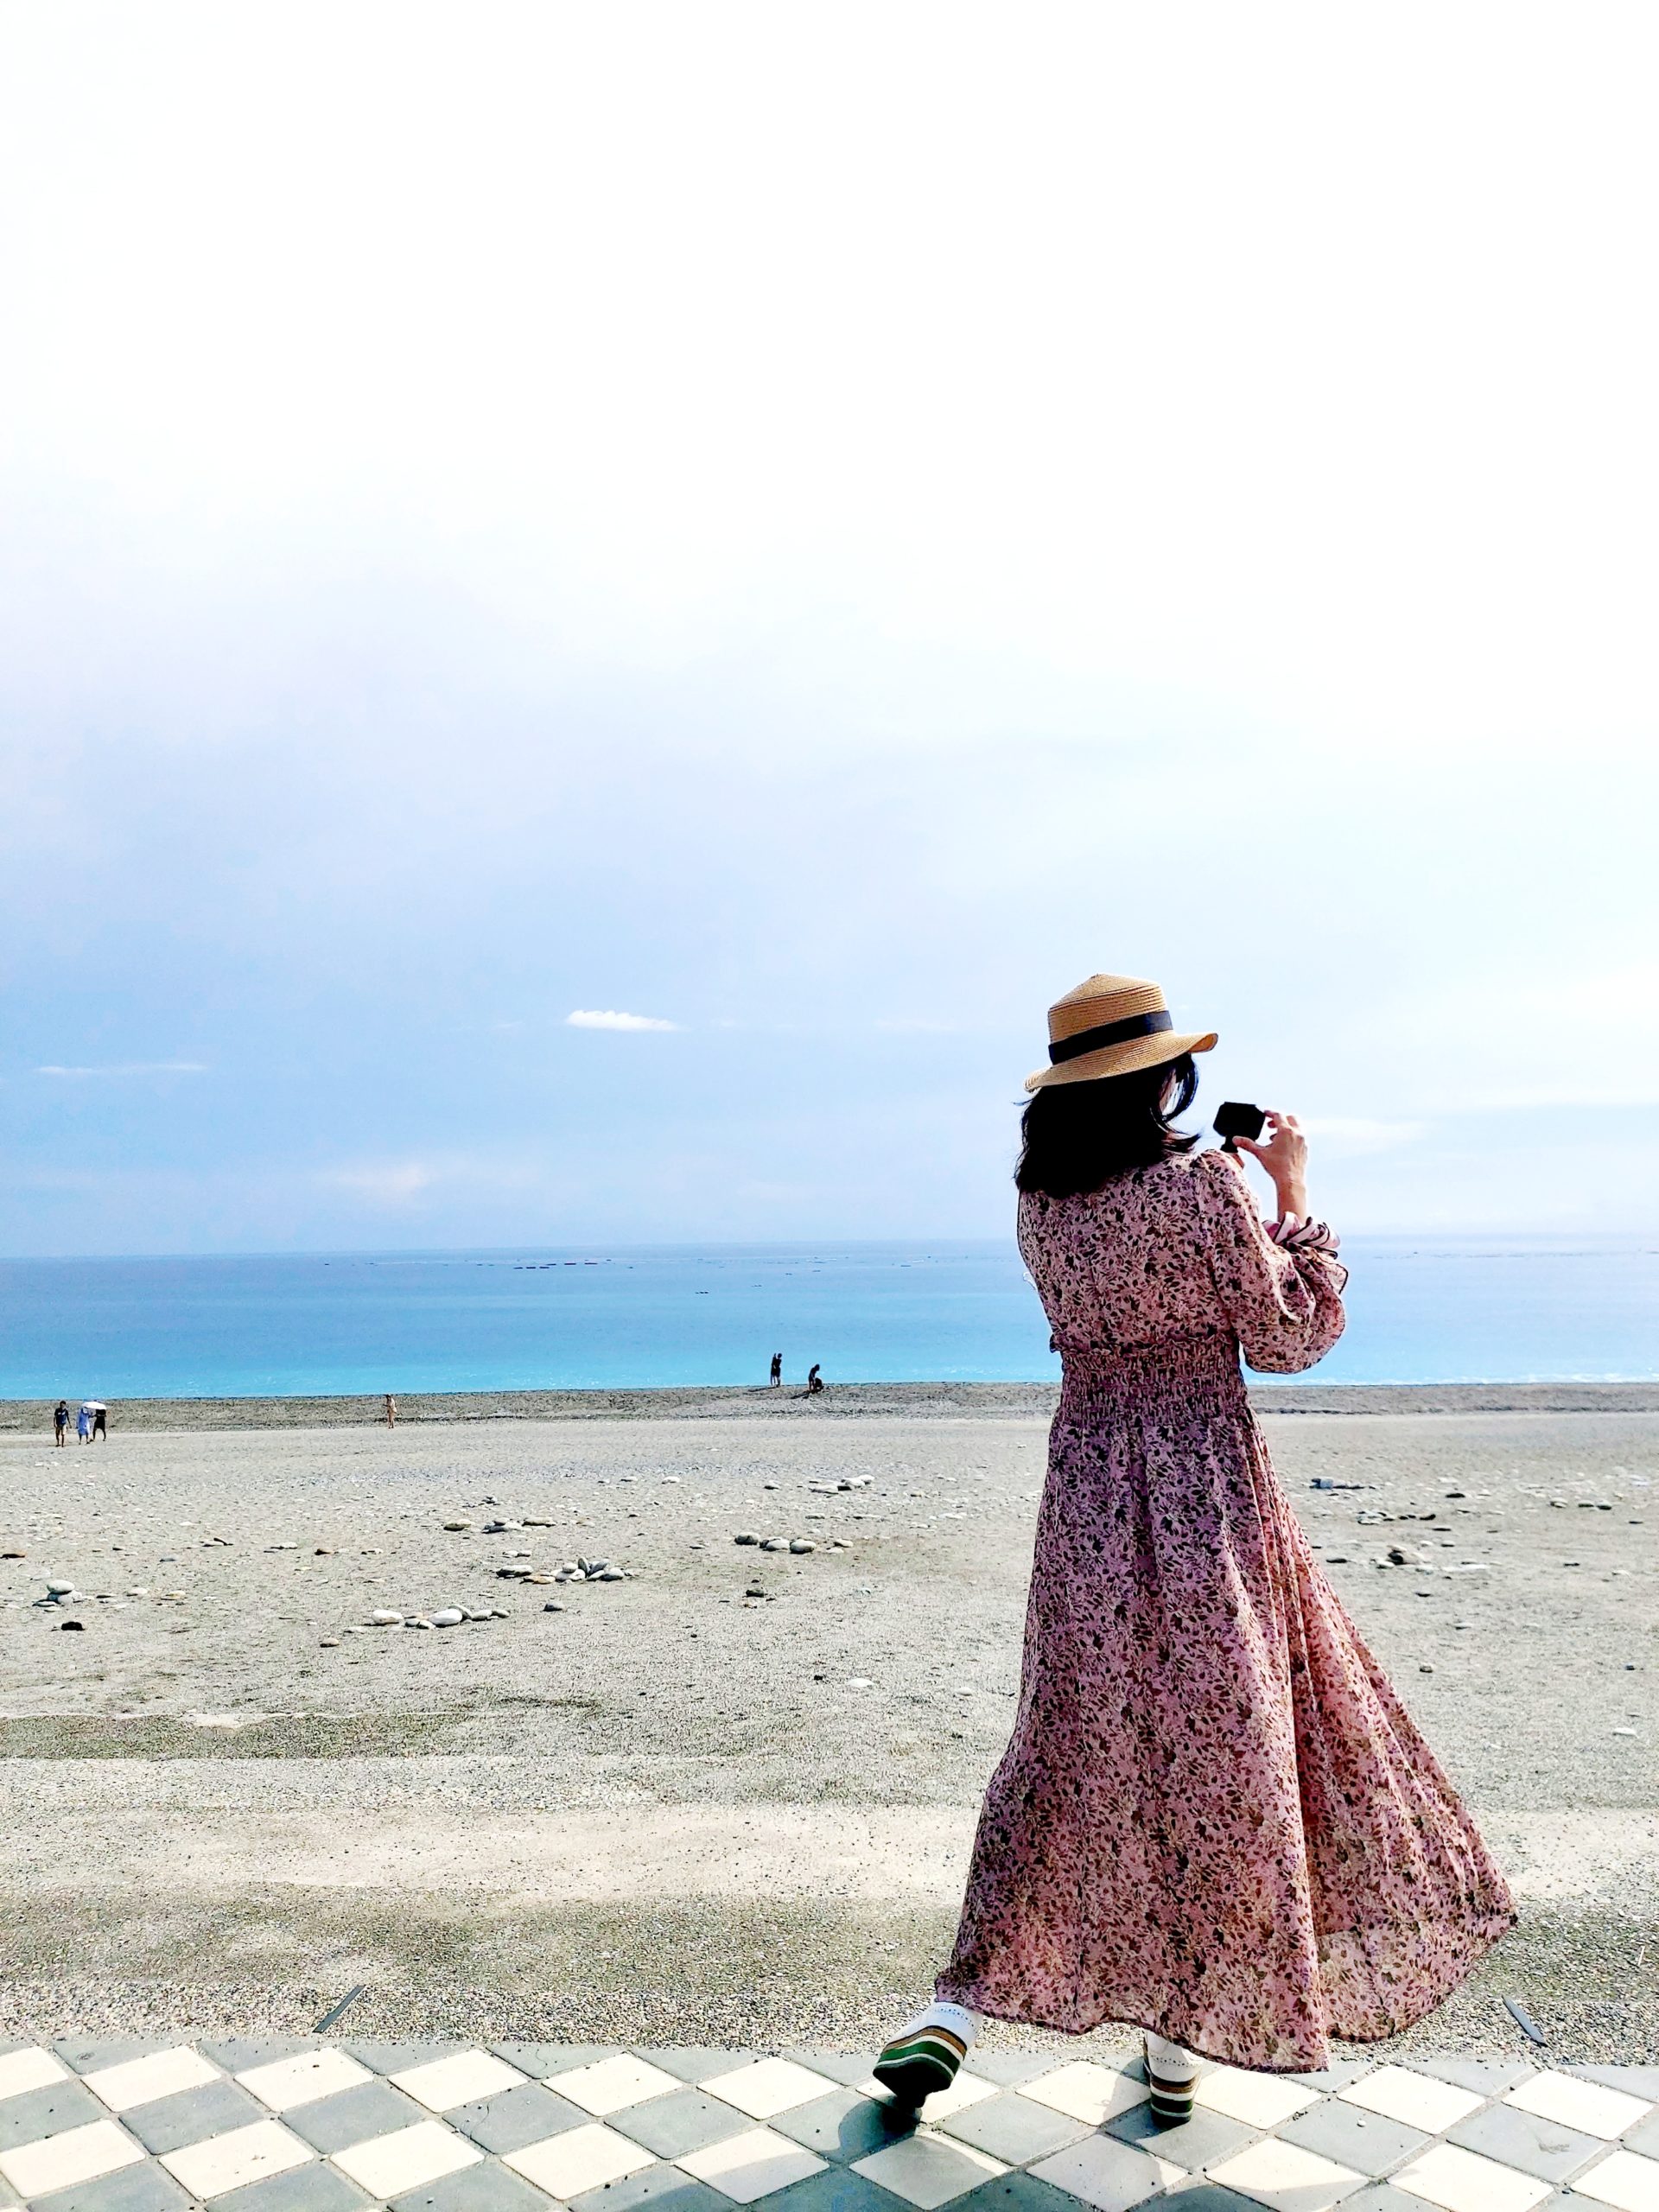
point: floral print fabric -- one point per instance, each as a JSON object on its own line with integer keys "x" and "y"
{"x": 1214, "y": 1818}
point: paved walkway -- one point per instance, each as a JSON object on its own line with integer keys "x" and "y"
{"x": 304, "y": 2125}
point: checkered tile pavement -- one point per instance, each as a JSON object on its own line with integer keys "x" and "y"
{"x": 299, "y": 2126}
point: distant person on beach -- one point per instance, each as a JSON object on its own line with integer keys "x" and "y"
{"x": 1215, "y": 1820}
{"x": 61, "y": 1421}
{"x": 777, "y": 1376}
{"x": 100, "y": 1424}
{"x": 391, "y": 1411}
{"x": 814, "y": 1381}
{"x": 84, "y": 1423}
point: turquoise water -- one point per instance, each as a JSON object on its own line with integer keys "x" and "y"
{"x": 1420, "y": 1310}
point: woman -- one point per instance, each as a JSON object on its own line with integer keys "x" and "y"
{"x": 1215, "y": 1820}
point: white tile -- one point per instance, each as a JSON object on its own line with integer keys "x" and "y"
{"x": 285, "y": 2082}
{"x": 78, "y": 2154}
{"x": 966, "y": 2089}
{"x": 927, "y": 2171}
{"x": 439, "y": 2084}
{"x": 140, "y": 2081}
{"x": 752, "y": 2164}
{"x": 28, "y": 2070}
{"x": 1259, "y": 2100}
{"x": 1462, "y": 2180}
{"x": 1287, "y": 2177}
{"x": 1107, "y": 2174}
{"x": 582, "y": 2157}
{"x": 1085, "y": 2091}
{"x": 1623, "y": 2179}
{"x": 1586, "y": 2106}
{"x": 387, "y": 2164}
{"x": 610, "y": 2084}
{"x": 231, "y": 2161}
{"x": 767, "y": 2086}
{"x": 1414, "y": 2100}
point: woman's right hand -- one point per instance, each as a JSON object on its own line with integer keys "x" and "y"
{"x": 1285, "y": 1157}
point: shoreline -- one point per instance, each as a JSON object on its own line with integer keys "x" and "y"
{"x": 29, "y": 1420}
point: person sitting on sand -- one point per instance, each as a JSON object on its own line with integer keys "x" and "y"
{"x": 61, "y": 1421}
{"x": 814, "y": 1381}
{"x": 1215, "y": 1820}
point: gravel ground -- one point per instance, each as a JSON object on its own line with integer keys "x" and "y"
{"x": 210, "y": 1815}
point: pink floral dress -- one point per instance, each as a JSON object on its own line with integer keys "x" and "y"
{"x": 1214, "y": 1818}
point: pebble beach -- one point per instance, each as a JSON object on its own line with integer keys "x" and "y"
{"x": 712, "y": 1684}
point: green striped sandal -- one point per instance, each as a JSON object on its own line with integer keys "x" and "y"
{"x": 925, "y": 2058}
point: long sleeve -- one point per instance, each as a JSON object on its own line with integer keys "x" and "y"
{"x": 1284, "y": 1301}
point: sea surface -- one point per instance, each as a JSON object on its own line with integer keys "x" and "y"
{"x": 1420, "y": 1310}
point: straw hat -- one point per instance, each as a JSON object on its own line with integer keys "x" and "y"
{"x": 1111, "y": 1025}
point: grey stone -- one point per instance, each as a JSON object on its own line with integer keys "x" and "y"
{"x": 837, "y": 2189}
{"x": 802, "y": 1544}
{"x": 510, "y": 2118}
{"x": 353, "y": 2115}
{"x": 1482, "y": 2077}
{"x": 695, "y": 2061}
{"x": 487, "y": 2188}
{"x": 237, "y": 2053}
{"x": 1203, "y": 2140}
{"x": 683, "y": 2120}
{"x": 47, "y": 2111}
{"x": 845, "y": 2125}
{"x": 192, "y": 2115}
{"x": 664, "y": 2186}
{"x": 132, "y": 2188}
{"x": 1013, "y": 2128}
{"x": 393, "y": 2057}
{"x": 1518, "y": 2139}
{"x": 1370, "y": 2144}
{"x": 86, "y": 2053}
{"x": 542, "y": 2060}
{"x": 314, "y": 2188}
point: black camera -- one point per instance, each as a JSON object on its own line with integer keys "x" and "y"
{"x": 1234, "y": 1119}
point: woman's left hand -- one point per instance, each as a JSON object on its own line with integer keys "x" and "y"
{"x": 1285, "y": 1157}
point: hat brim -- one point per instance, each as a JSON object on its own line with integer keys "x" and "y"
{"x": 1120, "y": 1060}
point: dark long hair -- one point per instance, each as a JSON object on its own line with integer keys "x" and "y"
{"x": 1075, "y": 1137}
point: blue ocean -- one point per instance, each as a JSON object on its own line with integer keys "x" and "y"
{"x": 1420, "y": 1310}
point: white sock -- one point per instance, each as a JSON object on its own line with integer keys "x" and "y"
{"x": 1173, "y": 2060}
{"x": 955, "y": 2019}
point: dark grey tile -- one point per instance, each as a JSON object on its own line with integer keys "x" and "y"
{"x": 237, "y": 2053}
{"x": 1013, "y": 2129}
{"x": 842, "y": 2124}
{"x": 486, "y": 2188}
{"x": 1364, "y": 2140}
{"x": 392, "y": 2057}
{"x": 1020, "y": 2193}
{"x": 48, "y": 2110}
{"x": 1203, "y": 2140}
{"x": 848, "y": 2067}
{"x": 1381, "y": 2197}
{"x": 838, "y": 2188}
{"x": 1012, "y": 2070}
{"x": 1482, "y": 2077}
{"x": 1537, "y": 2146}
{"x": 690, "y": 2062}
{"x": 511, "y": 2118}
{"x": 664, "y": 2188}
{"x": 1635, "y": 2081}
{"x": 134, "y": 2189}
{"x": 315, "y": 2187}
{"x": 367, "y": 2109}
{"x": 542, "y": 2060}
{"x": 1210, "y": 2196}
{"x": 684, "y": 2120}
{"x": 85, "y": 2054}
{"x": 192, "y": 2115}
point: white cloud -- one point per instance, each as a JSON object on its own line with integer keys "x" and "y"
{"x": 133, "y": 1067}
{"x": 395, "y": 1183}
{"x": 581, "y": 1020}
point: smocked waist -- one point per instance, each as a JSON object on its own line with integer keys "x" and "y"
{"x": 1210, "y": 1357}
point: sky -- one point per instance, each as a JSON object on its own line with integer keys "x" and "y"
{"x": 805, "y": 532}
